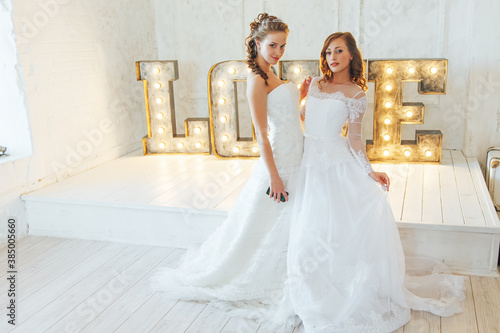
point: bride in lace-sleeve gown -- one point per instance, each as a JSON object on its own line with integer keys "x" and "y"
{"x": 346, "y": 265}
{"x": 241, "y": 267}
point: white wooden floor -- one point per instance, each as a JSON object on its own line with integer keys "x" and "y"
{"x": 68, "y": 285}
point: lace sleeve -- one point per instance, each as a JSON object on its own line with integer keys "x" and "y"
{"x": 357, "y": 109}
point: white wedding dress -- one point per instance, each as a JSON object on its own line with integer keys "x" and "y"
{"x": 346, "y": 265}
{"x": 241, "y": 267}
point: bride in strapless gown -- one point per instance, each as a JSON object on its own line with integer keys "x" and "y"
{"x": 244, "y": 260}
{"x": 242, "y": 266}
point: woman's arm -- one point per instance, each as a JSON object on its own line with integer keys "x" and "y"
{"x": 357, "y": 109}
{"x": 257, "y": 98}
{"x": 304, "y": 89}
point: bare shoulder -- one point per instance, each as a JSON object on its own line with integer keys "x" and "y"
{"x": 255, "y": 79}
{"x": 255, "y": 83}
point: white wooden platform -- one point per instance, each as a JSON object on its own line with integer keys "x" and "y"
{"x": 443, "y": 211}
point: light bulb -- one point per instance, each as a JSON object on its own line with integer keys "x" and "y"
{"x": 387, "y": 137}
{"x": 232, "y": 70}
{"x": 223, "y": 119}
{"x": 428, "y": 153}
{"x": 162, "y": 145}
{"x": 386, "y": 152}
{"x": 297, "y": 70}
{"x": 197, "y": 129}
{"x": 303, "y": 102}
{"x": 411, "y": 70}
{"x": 388, "y": 104}
{"x": 236, "y": 149}
{"x": 157, "y": 85}
{"x": 156, "y": 70}
{"x": 255, "y": 149}
{"x": 159, "y": 100}
{"x": 180, "y": 145}
{"x": 389, "y": 70}
{"x": 299, "y": 85}
{"x": 161, "y": 130}
{"x": 222, "y": 101}
{"x": 198, "y": 145}
{"x": 221, "y": 83}
{"x": 409, "y": 114}
{"x": 433, "y": 70}
{"x": 159, "y": 115}
{"x": 407, "y": 153}
{"x": 387, "y": 121}
{"x": 388, "y": 87}
{"x": 225, "y": 138}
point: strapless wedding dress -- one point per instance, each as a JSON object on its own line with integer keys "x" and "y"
{"x": 242, "y": 266}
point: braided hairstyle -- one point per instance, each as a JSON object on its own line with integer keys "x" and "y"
{"x": 357, "y": 66}
{"x": 260, "y": 27}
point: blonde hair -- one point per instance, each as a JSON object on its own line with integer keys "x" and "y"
{"x": 259, "y": 28}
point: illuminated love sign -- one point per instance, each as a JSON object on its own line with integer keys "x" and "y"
{"x": 227, "y": 99}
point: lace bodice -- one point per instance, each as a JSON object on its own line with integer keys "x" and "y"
{"x": 327, "y": 114}
{"x": 285, "y": 133}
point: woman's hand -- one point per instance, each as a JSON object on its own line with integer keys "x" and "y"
{"x": 277, "y": 189}
{"x": 381, "y": 178}
{"x": 304, "y": 87}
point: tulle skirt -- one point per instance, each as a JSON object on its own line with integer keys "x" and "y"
{"x": 346, "y": 265}
{"x": 241, "y": 267}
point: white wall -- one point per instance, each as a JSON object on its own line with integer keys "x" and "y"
{"x": 84, "y": 104}
{"x": 482, "y": 106}
{"x": 200, "y": 34}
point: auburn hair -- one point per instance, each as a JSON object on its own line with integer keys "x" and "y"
{"x": 356, "y": 67}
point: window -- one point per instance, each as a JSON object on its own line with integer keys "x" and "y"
{"x": 14, "y": 127}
